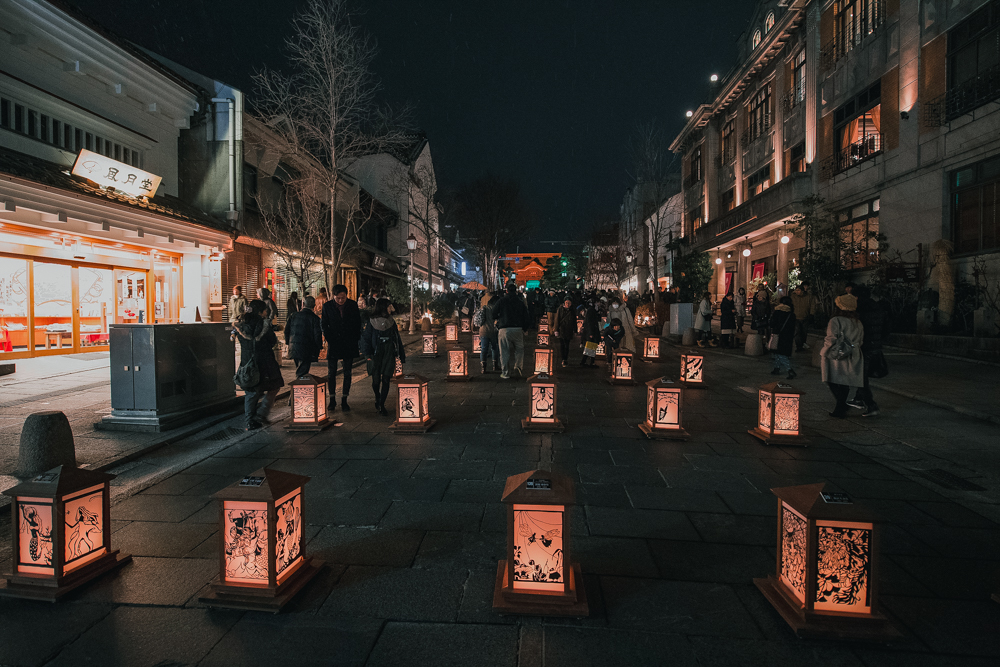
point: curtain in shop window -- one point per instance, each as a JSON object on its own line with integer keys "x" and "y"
{"x": 863, "y": 131}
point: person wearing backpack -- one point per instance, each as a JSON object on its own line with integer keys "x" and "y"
{"x": 381, "y": 345}
{"x": 259, "y": 375}
{"x": 488, "y": 341}
{"x": 304, "y": 337}
{"x": 842, "y": 365}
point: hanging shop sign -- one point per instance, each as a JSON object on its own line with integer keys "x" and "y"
{"x": 120, "y": 176}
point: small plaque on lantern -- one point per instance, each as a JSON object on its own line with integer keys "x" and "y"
{"x": 664, "y": 405}
{"x": 451, "y": 333}
{"x": 542, "y": 410}
{"x": 413, "y": 407}
{"x": 826, "y": 580}
{"x": 692, "y": 369}
{"x": 779, "y": 415}
{"x": 621, "y": 368}
{"x": 458, "y": 365}
{"x": 309, "y": 405}
{"x": 430, "y": 346}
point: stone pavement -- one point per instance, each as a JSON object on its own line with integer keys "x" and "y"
{"x": 669, "y": 535}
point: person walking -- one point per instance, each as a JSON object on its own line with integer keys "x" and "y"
{"x": 237, "y": 304}
{"x": 623, "y": 314}
{"x": 264, "y": 295}
{"x": 511, "y": 319}
{"x": 590, "y": 334}
{"x": 564, "y": 327}
{"x": 304, "y": 338}
{"x": 782, "y": 325}
{"x": 841, "y": 363}
{"x": 875, "y": 322}
{"x": 804, "y": 305}
{"x": 741, "y": 309}
{"x": 760, "y": 312}
{"x": 321, "y": 299}
{"x": 489, "y": 345}
{"x": 552, "y": 305}
{"x": 703, "y": 321}
{"x": 342, "y": 328}
{"x": 257, "y": 340}
{"x": 292, "y": 305}
{"x": 727, "y": 320}
{"x": 381, "y": 345}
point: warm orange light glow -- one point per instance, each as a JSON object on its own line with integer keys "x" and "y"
{"x": 538, "y": 548}
{"x": 458, "y": 363}
{"x": 692, "y": 368}
{"x": 543, "y": 360}
{"x": 477, "y": 344}
{"x": 430, "y": 344}
{"x": 84, "y": 517}
{"x": 450, "y": 333}
{"x": 543, "y": 339}
{"x": 245, "y": 535}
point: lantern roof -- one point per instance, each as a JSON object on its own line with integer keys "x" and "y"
{"x": 781, "y": 388}
{"x": 58, "y": 482}
{"x": 664, "y": 382}
{"x": 559, "y": 489}
{"x": 542, "y": 378}
{"x": 411, "y": 378}
{"x": 262, "y": 485}
{"x": 808, "y": 500}
{"x": 305, "y": 379}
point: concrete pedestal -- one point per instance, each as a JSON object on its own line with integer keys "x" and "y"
{"x": 754, "y": 346}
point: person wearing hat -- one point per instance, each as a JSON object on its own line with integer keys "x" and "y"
{"x": 842, "y": 364}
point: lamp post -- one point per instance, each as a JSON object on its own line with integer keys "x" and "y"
{"x": 411, "y": 245}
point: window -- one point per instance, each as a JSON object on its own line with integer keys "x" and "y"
{"x": 857, "y": 129}
{"x": 797, "y": 93}
{"x": 856, "y": 20}
{"x": 756, "y": 40}
{"x": 695, "y": 218}
{"x": 728, "y": 200}
{"x": 769, "y": 23}
{"x": 797, "y": 159}
{"x": 859, "y": 236}
{"x": 975, "y": 207}
{"x": 758, "y": 114}
{"x": 729, "y": 141}
{"x": 974, "y": 62}
{"x": 694, "y": 168}
{"x": 759, "y": 181}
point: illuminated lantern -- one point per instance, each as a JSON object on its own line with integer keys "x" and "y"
{"x": 601, "y": 350}
{"x": 779, "y": 414}
{"x": 651, "y": 349}
{"x": 466, "y": 324}
{"x": 398, "y": 373}
{"x": 430, "y": 348}
{"x": 543, "y": 339}
{"x": 308, "y": 405}
{"x": 451, "y": 333}
{"x": 543, "y": 325}
{"x": 477, "y": 344}
{"x": 538, "y": 576}
{"x": 621, "y": 368}
{"x": 458, "y": 365}
{"x": 542, "y": 414}
{"x": 544, "y": 358}
{"x": 61, "y": 533}
{"x": 413, "y": 415}
{"x": 262, "y": 543}
{"x": 664, "y": 403}
{"x": 826, "y": 580}
{"x": 692, "y": 369}
{"x": 579, "y": 324}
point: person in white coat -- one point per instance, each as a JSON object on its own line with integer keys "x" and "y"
{"x": 842, "y": 363}
{"x": 621, "y": 312}
{"x": 703, "y": 321}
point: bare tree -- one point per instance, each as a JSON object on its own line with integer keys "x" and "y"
{"x": 417, "y": 186}
{"x": 608, "y": 265}
{"x": 326, "y": 114}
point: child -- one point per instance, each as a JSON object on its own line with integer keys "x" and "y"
{"x": 613, "y": 335}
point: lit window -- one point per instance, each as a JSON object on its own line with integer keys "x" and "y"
{"x": 859, "y": 236}
{"x": 769, "y": 23}
{"x": 759, "y": 181}
{"x": 756, "y": 39}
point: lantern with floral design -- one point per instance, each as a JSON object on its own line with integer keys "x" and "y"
{"x": 543, "y": 339}
{"x": 398, "y": 372}
{"x": 542, "y": 411}
{"x": 621, "y": 368}
{"x": 430, "y": 347}
{"x": 692, "y": 369}
{"x": 664, "y": 405}
{"x": 544, "y": 358}
{"x": 413, "y": 415}
{"x": 308, "y": 405}
{"x": 543, "y": 325}
{"x": 826, "y": 580}
{"x": 451, "y": 333}
{"x": 466, "y": 324}
{"x": 458, "y": 365}
{"x": 779, "y": 414}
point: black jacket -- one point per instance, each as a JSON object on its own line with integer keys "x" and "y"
{"x": 511, "y": 312}
{"x": 304, "y": 336}
{"x": 257, "y": 340}
{"x": 875, "y": 322}
{"x": 783, "y": 326}
{"x": 342, "y": 333}
{"x": 565, "y": 324}
{"x": 727, "y": 314}
{"x": 552, "y": 303}
{"x": 370, "y": 338}
{"x": 591, "y": 331}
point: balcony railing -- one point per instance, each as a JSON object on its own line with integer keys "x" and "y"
{"x": 845, "y": 42}
{"x": 794, "y": 98}
{"x": 751, "y": 134}
{"x": 964, "y": 98}
{"x": 860, "y": 151}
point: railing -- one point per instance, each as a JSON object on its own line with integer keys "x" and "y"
{"x": 844, "y": 43}
{"x": 691, "y": 181}
{"x": 752, "y": 133}
{"x": 794, "y": 98}
{"x": 964, "y": 98}
{"x": 854, "y": 154}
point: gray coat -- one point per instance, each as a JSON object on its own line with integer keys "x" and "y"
{"x": 848, "y": 371}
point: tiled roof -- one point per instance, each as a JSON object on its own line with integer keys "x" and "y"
{"x": 54, "y": 175}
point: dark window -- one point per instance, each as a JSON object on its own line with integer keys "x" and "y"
{"x": 32, "y": 123}
{"x": 729, "y": 142}
{"x": 118, "y": 152}
{"x": 975, "y": 192}
{"x": 797, "y": 159}
{"x": 797, "y": 94}
{"x": 44, "y": 127}
{"x": 856, "y": 20}
{"x": 859, "y": 235}
{"x": 694, "y": 168}
{"x": 759, "y": 181}
{"x": 69, "y": 134}
{"x": 759, "y": 116}
{"x": 728, "y": 200}
{"x": 973, "y": 62}
{"x": 695, "y": 218}
{"x": 5, "y": 120}
{"x": 56, "y": 133}
{"x": 19, "y": 118}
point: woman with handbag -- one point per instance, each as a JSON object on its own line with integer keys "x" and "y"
{"x": 381, "y": 344}
{"x": 841, "y": 363}
{"x": 703, "y": 321}
{"x": 727, "y": 321}
{"x": 590, "y": 335}
{"x": 259, "y": 374}
{"x": 782, "y": 338}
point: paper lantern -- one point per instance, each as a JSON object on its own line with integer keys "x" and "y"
{"x": 477, "y": 344}
{"x": 826, "y": 581}
{"x": 398, "y": 373}
{"x": 413, "y": 415}
{"x": 621, "y": 368}
{"x": 664, "y": 406}
{"x": 262, "y": 543}
{"x": 538, "y": 576}
{"x": 61, "y": 529}
{"x": 308, "y": 405}
{"x": 430, "y": 348}
{"x": 543, "y": 340}
{"x": 544, "y": 360}
{"x": 779, "y": 413}
{"x": 451, "y": 333}
{"x": 692, "y": 369}
{"x": 651, "y": 348}
{"x": 601, "y": 349}
{"x": 542, "y": 408}
{"x": 543, "y": 325}
{"x": 466, "y": 324}
{"x": 579, "y": 324}
{"x": 458, "y": 365}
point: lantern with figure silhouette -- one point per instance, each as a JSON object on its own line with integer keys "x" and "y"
{"x": 651, "y": 348}
{"x": 477, "y": 344}
{"x": 826, "y": 580}
{"x": 579, "y": 324}
{"x": 430, "y": 347}
{"x": 458, "y": 365}
{"x": 61, "y": 533}
{"x": 544, "y": 358}
{"x": 621, "y": 368}
{"x": 413, "y": 414}
{"x": 308, "y": 405}
{"x": 538, "y": 575}
{"x": 779, "y": 414}
{"x": 692, "y": 369}
{"x": 262, "y": 543}
{"x": 466, "y": 324}
{"x": 398, "y": 372}
{"x": 451, "y": 333}
{"x": 664, "y": 405}
{"x": 542, "y": 410}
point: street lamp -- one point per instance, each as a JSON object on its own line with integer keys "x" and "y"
{"x": 411, "y": 245}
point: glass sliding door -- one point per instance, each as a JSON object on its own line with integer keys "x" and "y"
{"x": 130, "y": 286}
{"x": 14, "y": 324}
{"x": 97, "y": 305}
{"x": 53, "y": 306}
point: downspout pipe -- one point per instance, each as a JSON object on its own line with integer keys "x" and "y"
{"x": 232, "y": 154}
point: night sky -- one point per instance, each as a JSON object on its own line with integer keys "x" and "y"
{"x": 545, "y": 92}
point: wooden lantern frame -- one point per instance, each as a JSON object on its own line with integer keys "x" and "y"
{"x": 267, "y": 490}
{"x": 398, "y": 372}
{"x": 477, "y": 344}
{"x": 533, "y": 423}
{"x": 450, "y": 333}
{"x": 465, "y": 325}
{"x": 548, "y": 355}
{"x": 54, "y": 489}
{"x": 314, "y": 418}
{"x": 767, "y": 411}
{"x": 463, "y": 355}
{"x": 651, "y": 347}
{"x": 429, "y": 350}
{"x": 412, "y": 386}
{"x": 542, "y": 339}
{"x": 543, "y": 325}
{"x": 540, "y": 491}
{"x": 793, "y": 591}
{"x": 692, "y": 370}
{"x": 654, "y": 427}
{"x": 614, "y": 378}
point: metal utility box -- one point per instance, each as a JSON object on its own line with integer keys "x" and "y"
{"x": 167, "y": 375}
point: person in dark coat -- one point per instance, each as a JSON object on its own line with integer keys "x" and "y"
{"x": 782, "y": 325}
{"x": 590, "y": 332}
{"x": 342, "y": 328}
{"x": 304, "y": 337}
{"x": 381, "y": 345}
{"x": 727, "y": 320}
{"x": 875, "y": 321}
{"x": 614, "y": 333}
{"x": 292, "y": 306}
{"x": 760, "y": 313}
{"x": 511, "y": 318}
{"x": 257, "y": 341}
{"x": 564, "y": 327}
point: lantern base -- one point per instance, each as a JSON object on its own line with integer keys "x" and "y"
{"x": 25, "y": 589}
{"x": 507, "y": 601}
{"x": 874, "y": 627}
{"x": 312, "y": 428}
{"x": 663, "y": 433}
{"x": 221, "y": 596}
{"x": 413, "y": 427}
{"x": 458, "y": 378}
{"x": 768, "y": 439}
{"x": 542, "y": 427}
{"x": 395, "y": 379}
